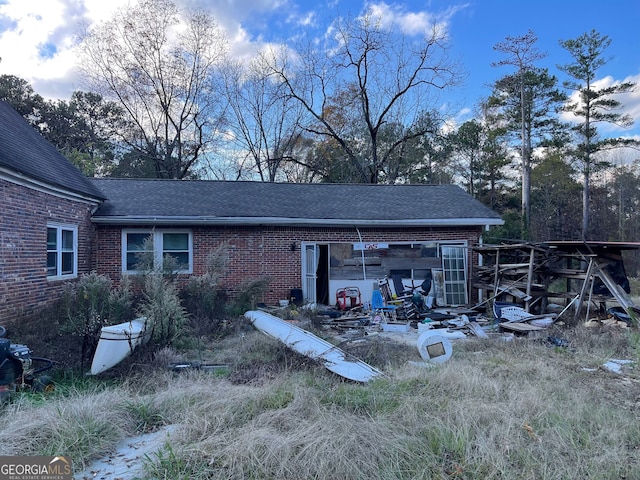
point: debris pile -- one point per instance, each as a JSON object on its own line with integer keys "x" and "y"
{"x": 583, "y": 276}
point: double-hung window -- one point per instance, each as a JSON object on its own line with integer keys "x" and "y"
{"x": 159, "y": 249}
{"x": 62, "y": 252}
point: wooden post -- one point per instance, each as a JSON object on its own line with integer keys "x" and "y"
{"x": 529, "y": 279}
{"x": 496, "y": 274}
{"x": 588, "y": 280}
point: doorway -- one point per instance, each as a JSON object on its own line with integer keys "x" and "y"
{"x": 315, "y": 271}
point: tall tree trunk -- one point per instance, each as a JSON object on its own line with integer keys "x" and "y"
{"x": 587, "y": 168}
{"x": 585, "y": 205}
{"x": 526, "y": 164}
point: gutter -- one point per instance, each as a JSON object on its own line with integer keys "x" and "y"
{"x": 292, "y": 222}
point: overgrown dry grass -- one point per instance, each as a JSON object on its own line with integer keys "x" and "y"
{"x": 496, "y": 410}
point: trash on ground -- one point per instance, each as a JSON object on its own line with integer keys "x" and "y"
{"x": 306, "y": 343}
{"x": 615, "y": 365}
{"x": 434, "y": 348}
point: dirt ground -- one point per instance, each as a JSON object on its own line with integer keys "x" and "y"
{"x": 45, "y": 339}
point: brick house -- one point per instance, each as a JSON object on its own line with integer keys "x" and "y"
{"x": 46, "y": 235}
{"x": 314, "y": 237}
{"x": 310, "y": 238}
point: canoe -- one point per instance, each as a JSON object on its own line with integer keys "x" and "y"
{"x": 116, "y": 343}
{"x": 333, "y": 358}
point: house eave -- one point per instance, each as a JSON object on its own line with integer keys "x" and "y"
{"x": 40, "y": 186}
{"x": 292, "y": 222}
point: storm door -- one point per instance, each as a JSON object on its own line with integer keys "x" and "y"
{"x": 309, "y": 269}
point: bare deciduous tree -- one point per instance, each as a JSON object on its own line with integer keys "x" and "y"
{"x": 365, "y": 78}
{"x": 159, "y": 65}
{"x": 265, "y": 121}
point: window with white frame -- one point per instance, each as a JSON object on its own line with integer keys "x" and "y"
{"x": 62, "y": 251}
{"x": 140, "y": 247}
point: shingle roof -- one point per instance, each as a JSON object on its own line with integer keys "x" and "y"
{"x": 25, "y": 152}
{"x": 218, "y": 202}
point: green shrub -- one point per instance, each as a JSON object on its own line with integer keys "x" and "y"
{"x": 203, "y": 298}
{"x": 91, "y": 304}
{"x": 250, "y": 292}
{"x": 162, "y": 308}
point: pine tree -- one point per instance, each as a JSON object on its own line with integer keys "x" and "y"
{"x": 592, "y": 104}
{"x": 521, "y": 53}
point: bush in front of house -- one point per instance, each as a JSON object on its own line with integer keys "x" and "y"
{"x": 249, "y": 294}
{"x": 204, "y": 298}
{"x": 199, "y": 309}
{"x": 92, "y": 303}
{"x": 162, "y": 308}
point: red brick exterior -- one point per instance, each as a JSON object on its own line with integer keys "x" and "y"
{"x": 258, "y": 252}
{"x": 24, "y": 214}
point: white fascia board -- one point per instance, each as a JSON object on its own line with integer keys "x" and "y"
{"x": 40, "y": 186}
{"x": 290, "y": 222}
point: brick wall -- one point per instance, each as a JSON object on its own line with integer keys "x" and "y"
{"x": 267, "y": 251}
{"x": 24, "y": 213}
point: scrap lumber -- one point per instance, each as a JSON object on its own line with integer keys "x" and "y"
{"x": 533, "y": 274}
{"x": 477, "y": 330}
{"x": 520, "y": 327}
{"x": 616, "y": 290}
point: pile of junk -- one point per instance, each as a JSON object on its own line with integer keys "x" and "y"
{"x": 394, "y": 307}
{"x": 527, "y": 288}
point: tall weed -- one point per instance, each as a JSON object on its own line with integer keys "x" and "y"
{"x": 203, "y": 297}
{"x": 162, "y": 308}
{"x": 91, "y": 304}
{"x": 250, "y": 293}
{"x": 160, "y": 303}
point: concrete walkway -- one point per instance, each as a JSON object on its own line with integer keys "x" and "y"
{"x": 125, "y": 463}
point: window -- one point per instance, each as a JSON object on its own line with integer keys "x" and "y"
{"x": 62, "y": 251}
{"x": 156, "y": 246}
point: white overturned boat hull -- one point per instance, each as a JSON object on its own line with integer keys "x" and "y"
{"x": 116, "y": 343}
{"x": 306, "y": 343}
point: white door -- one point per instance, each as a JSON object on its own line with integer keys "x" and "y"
{"x": 309, "y": 269}
{"x": 454, "y": 267}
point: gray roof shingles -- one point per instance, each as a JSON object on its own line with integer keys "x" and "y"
{"x": 140, "y": 198}
{"x": 24, "y": 151}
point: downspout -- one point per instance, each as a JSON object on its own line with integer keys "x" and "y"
{"x": 364, "y": 268}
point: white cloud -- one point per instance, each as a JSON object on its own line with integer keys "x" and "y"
{"x": 100, "y": 10}
{"x": 412, "y": 23}
{"x": 37, "y": 37}
{"x": 307, "y": 19}
{"x": 31, "y": 25}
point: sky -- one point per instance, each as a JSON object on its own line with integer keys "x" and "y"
{"x": 37, "y": 37}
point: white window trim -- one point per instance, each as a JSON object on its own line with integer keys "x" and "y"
{"x": 59, "y": 227}
{"x": 157, "y": 247}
